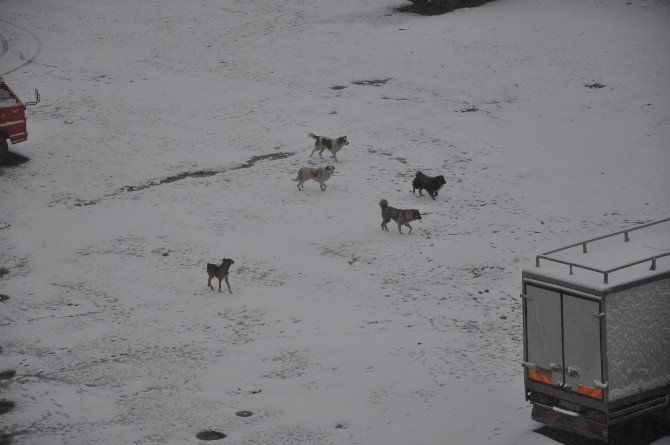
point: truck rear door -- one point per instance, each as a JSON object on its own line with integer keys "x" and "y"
{"x": 563, "y": 340}
{"x": 582, "y": 345}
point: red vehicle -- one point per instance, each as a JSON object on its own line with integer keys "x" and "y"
{"x": 12, "y": 117}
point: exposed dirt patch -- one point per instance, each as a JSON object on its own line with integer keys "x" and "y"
{"x": 7, "y": 374}
{"x": 6, "y": 406}
{"x": 471, "y": 109}
{"x": 268, "y": 157}
{"x": 437, "y": 7}
{"x": 372, "y": 82}
{"x": 244, "y": 413}
{"x": 3, "y": 271}
{"x": 178, "y": 177}
{"x": 206, "y": 173}
{"x": 169, "y": 179}
{"x": 210, "y": 435}
{"x": 338, "y": 87}
{"x": 595, "y": 85}
{"x": 3, "y": 297}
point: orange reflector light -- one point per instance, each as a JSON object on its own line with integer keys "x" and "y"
{"x": 539, "y": 376}
{"x": 591, "y": 392}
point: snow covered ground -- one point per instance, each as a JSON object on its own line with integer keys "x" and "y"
{"x": 166, "y": 138}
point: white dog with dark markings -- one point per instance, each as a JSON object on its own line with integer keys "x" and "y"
{"x": 322, "y": 143}
{"x": 320, "y": 175}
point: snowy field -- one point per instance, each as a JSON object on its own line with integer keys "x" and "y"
{"x": 167, "y": 137}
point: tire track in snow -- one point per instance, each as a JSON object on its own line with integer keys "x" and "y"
{"x": 178, "y": 177}
{"x": 5, "y": 47}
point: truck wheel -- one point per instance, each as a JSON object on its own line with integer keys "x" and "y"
{"x": 4, "y": 149}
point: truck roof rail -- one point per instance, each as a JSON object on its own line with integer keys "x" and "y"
{"x": 605, "y": 272}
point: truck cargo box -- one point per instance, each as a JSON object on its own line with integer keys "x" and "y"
{"x": 597, "y": 330}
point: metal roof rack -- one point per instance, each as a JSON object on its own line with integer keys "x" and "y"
{"x": 605, "y": 273}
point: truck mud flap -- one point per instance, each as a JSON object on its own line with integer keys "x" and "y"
{"x": 567, "y": 422}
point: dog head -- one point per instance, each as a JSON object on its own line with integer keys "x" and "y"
{"x": 342, "y": 140}
{"x": 330, "y": 169}
{"x": 440, "y": 180}
{"x": 416, "y": 214}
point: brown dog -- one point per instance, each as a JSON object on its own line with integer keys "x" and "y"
{"x": 220, "y": 272}
{"x": 402, "y": 217}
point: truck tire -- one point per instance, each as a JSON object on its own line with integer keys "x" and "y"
{"x": 4, "y": 148}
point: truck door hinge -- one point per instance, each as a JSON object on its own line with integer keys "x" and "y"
{"x": 529, "y": 365}
{"x": 527, "y": 297}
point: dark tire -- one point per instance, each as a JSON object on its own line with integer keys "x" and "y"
{"x": 4, "y": 148}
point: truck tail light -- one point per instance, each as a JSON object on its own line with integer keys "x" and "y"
{"x": 591, "y": 392}
{"x": 539, "y": 376}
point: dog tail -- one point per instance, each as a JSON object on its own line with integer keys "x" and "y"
{"x": 312, "y": 135}
{"x": 294, "y": 179}
{"x": 383, "y": 204}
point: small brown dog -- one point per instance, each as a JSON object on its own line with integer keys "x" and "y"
{"x": 220, "y": 272}
{"x": 400, "y": 216}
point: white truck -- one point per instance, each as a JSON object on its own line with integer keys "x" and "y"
{"x": 596, "y": 330}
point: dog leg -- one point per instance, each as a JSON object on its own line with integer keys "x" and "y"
{"x": 322, "y": 150}
{"x": 209, "y": 283}
{"x": 219, "y": 284}
{"x": 410, "y": 229}
{"x": 400, "y": 231}
{"x": 228, "y": 284}
{"x": 420, "y": 193}
{"x": 313, "y": 152}
{"x": 335, "y": 157}
{"x": 323, "y": 186}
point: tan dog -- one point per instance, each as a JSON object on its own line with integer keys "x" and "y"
{"x": 220, "y": 272}
{"x": 323, "y": 143}
{"x": 320, "y": 175}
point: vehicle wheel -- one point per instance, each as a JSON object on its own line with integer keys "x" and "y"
{"x": 4, "y": 148}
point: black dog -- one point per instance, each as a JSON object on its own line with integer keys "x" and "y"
{"x": 428, "y": 183}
